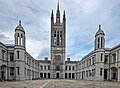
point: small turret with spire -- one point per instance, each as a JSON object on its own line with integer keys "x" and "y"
{"x": 52, "y": 17}
{"x": 64, "y": 18}
{"x": 99, "y": 39}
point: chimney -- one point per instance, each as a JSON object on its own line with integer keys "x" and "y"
{"x": 68, "y": 59}
{"x": 46, "y": 58}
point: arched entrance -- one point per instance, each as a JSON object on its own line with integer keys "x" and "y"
{"x": 66, "y": 75}
{"x": 114, "y": 73}
{"x": 57, "y": 75}
{"x": 41, "y": 75}
{"x": 48, "y": 75}
{"x": 3, "y": 72}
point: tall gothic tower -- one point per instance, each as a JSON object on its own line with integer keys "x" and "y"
{"x": 58, "y": 43}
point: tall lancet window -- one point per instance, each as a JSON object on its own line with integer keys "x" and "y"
{"x": 98, "y": 42}
{"x": 101, "y": 42}
{"x": 60, "y": 37}
{"x": 55, "y": 38}
{"x": 21, "y": 39}
{"x": 18, "y": 38}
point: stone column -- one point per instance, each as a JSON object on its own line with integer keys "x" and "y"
{"x": 46, "y": 75}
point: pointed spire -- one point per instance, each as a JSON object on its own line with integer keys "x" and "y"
{"x": 52, "y": 13}
{"x": 58, "y": 6}
{"x": 58, "y": 14}
{"x": 99, "y": 26}
{"x": 64, "y": 14}
{"x": 19, "y": 22}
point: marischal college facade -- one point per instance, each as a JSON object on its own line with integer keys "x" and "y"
{"x": 17, "y": 64}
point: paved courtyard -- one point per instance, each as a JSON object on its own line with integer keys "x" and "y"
{"x": 55, "y": 83}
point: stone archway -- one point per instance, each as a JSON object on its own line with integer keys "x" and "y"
{"x": 3, "y": 71}
{"x": 57, "y": 75}
{"x": 114, "y": 73}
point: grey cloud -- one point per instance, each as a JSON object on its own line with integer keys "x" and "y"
{"x": 43, "y": 53}
{"x": 3, "y": 36}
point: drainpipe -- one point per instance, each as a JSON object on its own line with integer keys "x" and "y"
{"x": 7, "y": 67}
{"x": 109, "y": 67}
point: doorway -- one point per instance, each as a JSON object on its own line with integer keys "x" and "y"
{"x": 3, "y": 72}
{"x": 57, "y": 75}
{"x": 66, "y": 75}
{"x": 114, "y": 73}
{"x": 41, "y": 75}
{"x": 2, "y": 75}
{"x": 48, "y": 75}
{"x": 105, "y": 74}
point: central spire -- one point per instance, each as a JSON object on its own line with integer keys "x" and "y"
{"x": 58, "y": 6}
{"x": 58, "y": 14}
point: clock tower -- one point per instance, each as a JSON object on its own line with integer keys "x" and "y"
{"x": 58, "y": 44}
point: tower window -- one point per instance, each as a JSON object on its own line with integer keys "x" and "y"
{"x": 93, "y": 61}
{"x": 57, "y": 67}
{"x": 18, "y": 54}
{"x": 11, "y": 57}
{"x": 18, "y": 34}
{"x": 58, "y": 38}
{"x": 100, "y": 71}
{"x": 18, "y": 39}
{"x": 101, "y": 42}
{"x": 21, "y": 39}
{"x": 98, "y": 42}
{"x": 89, "y": 62}
{"x": 106, "y": 58}
{"x": 55, "y": 34}
{"x": 114, "y": 57}
{"x": 18, "y": 70}
{"x": 55, "y": 38}
{"x": 3, "y": 54}
{"x": 101, "y": 56}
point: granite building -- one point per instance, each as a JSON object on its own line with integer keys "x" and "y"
{"x": 17, "y": 64}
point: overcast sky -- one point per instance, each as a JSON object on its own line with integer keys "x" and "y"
{"x": 83, "y": 18}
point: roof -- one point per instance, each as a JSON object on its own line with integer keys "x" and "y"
{"x": 19, "y": 27}
{"x": 43, "y": 61}
{"x": 100, "y": 31}
{"x": 87, "y": 55}
{"x": 9, "y": 45}
{"x": 107, "y": 49}
{"x": 2, "y": 44}
{"x": 117, "y": 46}
{"x": 71, "y": 61}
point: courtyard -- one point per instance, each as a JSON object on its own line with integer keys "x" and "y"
{"x": 59, "y": 83}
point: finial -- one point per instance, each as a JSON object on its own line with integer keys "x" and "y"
{"x": 64, "y": 12}
{"x": 19, "y": 22}
{"x": 52, "y": 11}
{"x": 99, "y": 26}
